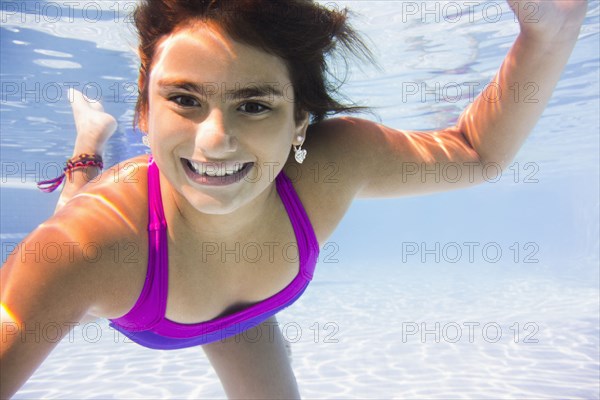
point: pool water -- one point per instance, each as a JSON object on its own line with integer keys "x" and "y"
{"x": 486, "y": 292}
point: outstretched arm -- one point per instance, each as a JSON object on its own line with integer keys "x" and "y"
{"x": 501, "y": 118}
{"x": 374, "y": 160}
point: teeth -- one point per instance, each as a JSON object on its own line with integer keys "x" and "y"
{"x": 214, "y": 170}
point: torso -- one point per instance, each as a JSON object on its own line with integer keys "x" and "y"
{"x": 202, "y": 285}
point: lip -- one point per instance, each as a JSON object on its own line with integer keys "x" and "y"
{"x": 216, "y": 180}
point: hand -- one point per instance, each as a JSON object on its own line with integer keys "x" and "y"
{"x": 549, "y": 19}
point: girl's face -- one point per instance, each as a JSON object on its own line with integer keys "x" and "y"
{"x": 216, "y": 103}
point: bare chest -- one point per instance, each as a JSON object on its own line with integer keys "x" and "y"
{"x": 209, "y": 278}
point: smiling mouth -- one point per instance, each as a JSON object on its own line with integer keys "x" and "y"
{"x": 215, "y": 169}
{"x": 216, "y": 174}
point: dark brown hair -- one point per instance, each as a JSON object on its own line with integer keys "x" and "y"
{"x": 300, "y": 32}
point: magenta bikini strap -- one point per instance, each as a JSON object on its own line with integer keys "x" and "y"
{"x": 308, "y": 246}
{"x": 158, "y": 249}
{"x": 150, "y": 307}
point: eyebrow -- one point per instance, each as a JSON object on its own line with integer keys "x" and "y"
{"x": 206, "y": 89}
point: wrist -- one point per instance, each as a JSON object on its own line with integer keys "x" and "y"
{"x": 557, "y": 36}
{"x": 561, "y": 28}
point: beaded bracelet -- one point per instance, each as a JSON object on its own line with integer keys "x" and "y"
{"x": 83, "y": 160}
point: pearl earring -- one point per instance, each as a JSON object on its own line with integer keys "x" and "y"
{"x": 145, "y": 141}
{"x": 299, "y": 152}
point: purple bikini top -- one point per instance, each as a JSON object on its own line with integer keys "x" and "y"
{"x": 146, "y": 323}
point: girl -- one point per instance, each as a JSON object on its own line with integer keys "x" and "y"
{"x": 233, "y": 100}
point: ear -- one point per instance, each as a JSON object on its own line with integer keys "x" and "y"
{"x": 301, "y": 127}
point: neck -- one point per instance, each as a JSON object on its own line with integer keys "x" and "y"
{"x": 245, "y": 220}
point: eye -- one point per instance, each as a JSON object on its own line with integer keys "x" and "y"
{"x": 184, "y": 101}
{"x": 253, "y": 108}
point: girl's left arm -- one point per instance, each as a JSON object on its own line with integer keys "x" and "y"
{"x": 373, "y": 160}
{"x": 499, "y": 120}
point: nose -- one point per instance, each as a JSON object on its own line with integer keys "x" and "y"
{"x": 213, "y": 136}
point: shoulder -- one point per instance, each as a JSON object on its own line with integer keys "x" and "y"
{"x": 115, "y": 201}
{"x": 326, "y": 182}
{"x": 340, "y": 144}
{"x": 123, "y": 178}
{"x": 332, "y": 148}
{"x": 105, "y": 226}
